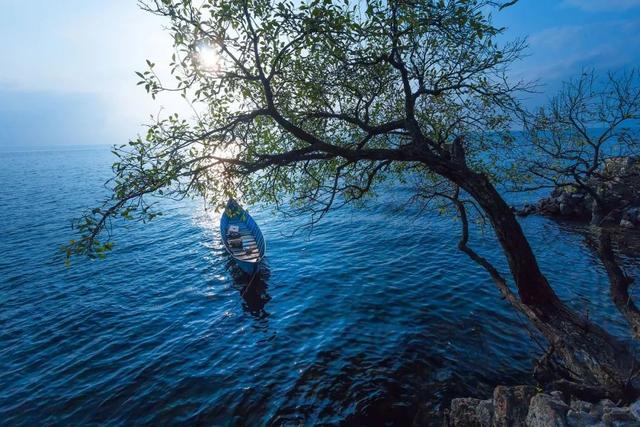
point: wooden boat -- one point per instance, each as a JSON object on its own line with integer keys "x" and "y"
{"x": 242, "y": 237}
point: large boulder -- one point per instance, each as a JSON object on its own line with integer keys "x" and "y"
{"x": 619, "y": 417}
{"x": 632, "y": 216}
{"x": 547, "y": 411}
{"x": 484, "y": 413}
{"x": 634, "y": 408}
{"x": 463, "y": 412}
{"x": 511, "y": 404}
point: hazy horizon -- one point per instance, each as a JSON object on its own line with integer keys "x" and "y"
{"x": 71, "y": 80}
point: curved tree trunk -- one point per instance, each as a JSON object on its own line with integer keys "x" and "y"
{"x": 589, "y": 358}
{"x": 533, "y": 288}
{"x": 619, "y": 283}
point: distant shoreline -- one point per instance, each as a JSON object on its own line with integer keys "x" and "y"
{"x": 44, "y": 148}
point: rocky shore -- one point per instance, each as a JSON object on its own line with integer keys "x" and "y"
{"x": 525, "y": 406}
{"x": 618, "y": 187}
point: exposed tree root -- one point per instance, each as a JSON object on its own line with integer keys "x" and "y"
{"x": 583, "y": 360}
{"x": 586, "y": 360}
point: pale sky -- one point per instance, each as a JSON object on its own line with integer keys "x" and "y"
{"x": 67, "y": 71}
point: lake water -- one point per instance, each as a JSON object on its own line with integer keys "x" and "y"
{"x": 371, "y": 318}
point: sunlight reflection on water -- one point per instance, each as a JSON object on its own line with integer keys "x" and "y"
{"x": 363, "y": 321}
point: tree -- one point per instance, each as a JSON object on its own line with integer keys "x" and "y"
{"x": 582, "y": 129}
{"x": 315, "y": 103}
{"x": 579, "y": 139}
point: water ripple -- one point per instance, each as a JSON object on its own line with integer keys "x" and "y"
{"x": 371, "y": 316}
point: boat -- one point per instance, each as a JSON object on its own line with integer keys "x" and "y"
{"x": 242, "y": 238}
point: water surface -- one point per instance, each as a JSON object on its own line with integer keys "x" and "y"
{"x": 371, "y": 318}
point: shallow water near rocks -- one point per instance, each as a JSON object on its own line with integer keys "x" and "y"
{"x": 365, "y": 321}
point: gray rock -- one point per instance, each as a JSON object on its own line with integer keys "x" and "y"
{"x": 581, "y": 406}
{"x": 565, "y": 197}
{"x": 546, "y": 411}
{"x": 612, "y": 218}
{"x": 558, "y": 395}
{"x": 582, "y": 419}
{"x": 618, "y": 185}
{"x": 626, "y": 224}
{"x": 549, "y": 206}
{"x": 511, "y": 404}
{"x": 619, "y": 417}
{"x": 607, "y": 403}
{"x": 484, "y": 413}
{"x": 634, "y": 408}
{"x": 463, "y": 412}
{"x": 633, "y": 214}
{"x": 598, "y": 409}
{"x": 620, "y": 166}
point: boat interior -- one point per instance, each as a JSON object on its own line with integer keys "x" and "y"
{"x": 248, "y": 250}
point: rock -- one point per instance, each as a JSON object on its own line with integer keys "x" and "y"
{"x": 484, "y": 413}
{"x": 471, "y": 412}
{"x": 565, "y": 209}
{"x": 634, "y": 408}
{"x": 565, "y": 198}
{"x": 463, "y": 412}
{"x": 634, "y": 214}
{"x": 619, "y": 417}
{"x": 520, "y": 406}
{"x": 620, "y": 166}
{"x": 597, "y": 410}
{"x": 626, "y": 224}
{"x": 511, "y": 405}
{"x": 612, "y": 218}
{"x": 549, "y": 207}
{"x": 557, "y": 192}
{"x": 581, "y": 406}
{"x": 606, "y": 403}
{"x": 582, "y": 419}
{"x": 546, "y": 411}
{"x": 618, "y": 185}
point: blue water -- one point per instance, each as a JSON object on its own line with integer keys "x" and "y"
{"x": 372, "y": 317}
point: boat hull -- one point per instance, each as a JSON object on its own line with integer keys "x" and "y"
{"x": 249, "y": 267}
{"x": 234, "y": 215}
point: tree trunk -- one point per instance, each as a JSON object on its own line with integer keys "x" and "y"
{"x": 586, "y": 353}
{"x": 619, "y": 282}
{"x": 533, "y": 288}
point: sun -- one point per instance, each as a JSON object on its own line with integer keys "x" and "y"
{"x": 207, "y": 58}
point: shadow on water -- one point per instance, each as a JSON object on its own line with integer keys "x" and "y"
{"x": 626, "y": 241}
{"x": 252, "y": 289}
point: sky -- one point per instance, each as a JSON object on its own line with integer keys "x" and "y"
{"x": 67, "y": 71}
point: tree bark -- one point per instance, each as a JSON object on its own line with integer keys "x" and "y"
{"x": 619, "y": 282}
{"x": 533, "y": 287}
{"x": 586, "y": 354}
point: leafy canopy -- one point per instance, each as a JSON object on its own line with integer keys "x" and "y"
{"x": 314, "y": 103}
